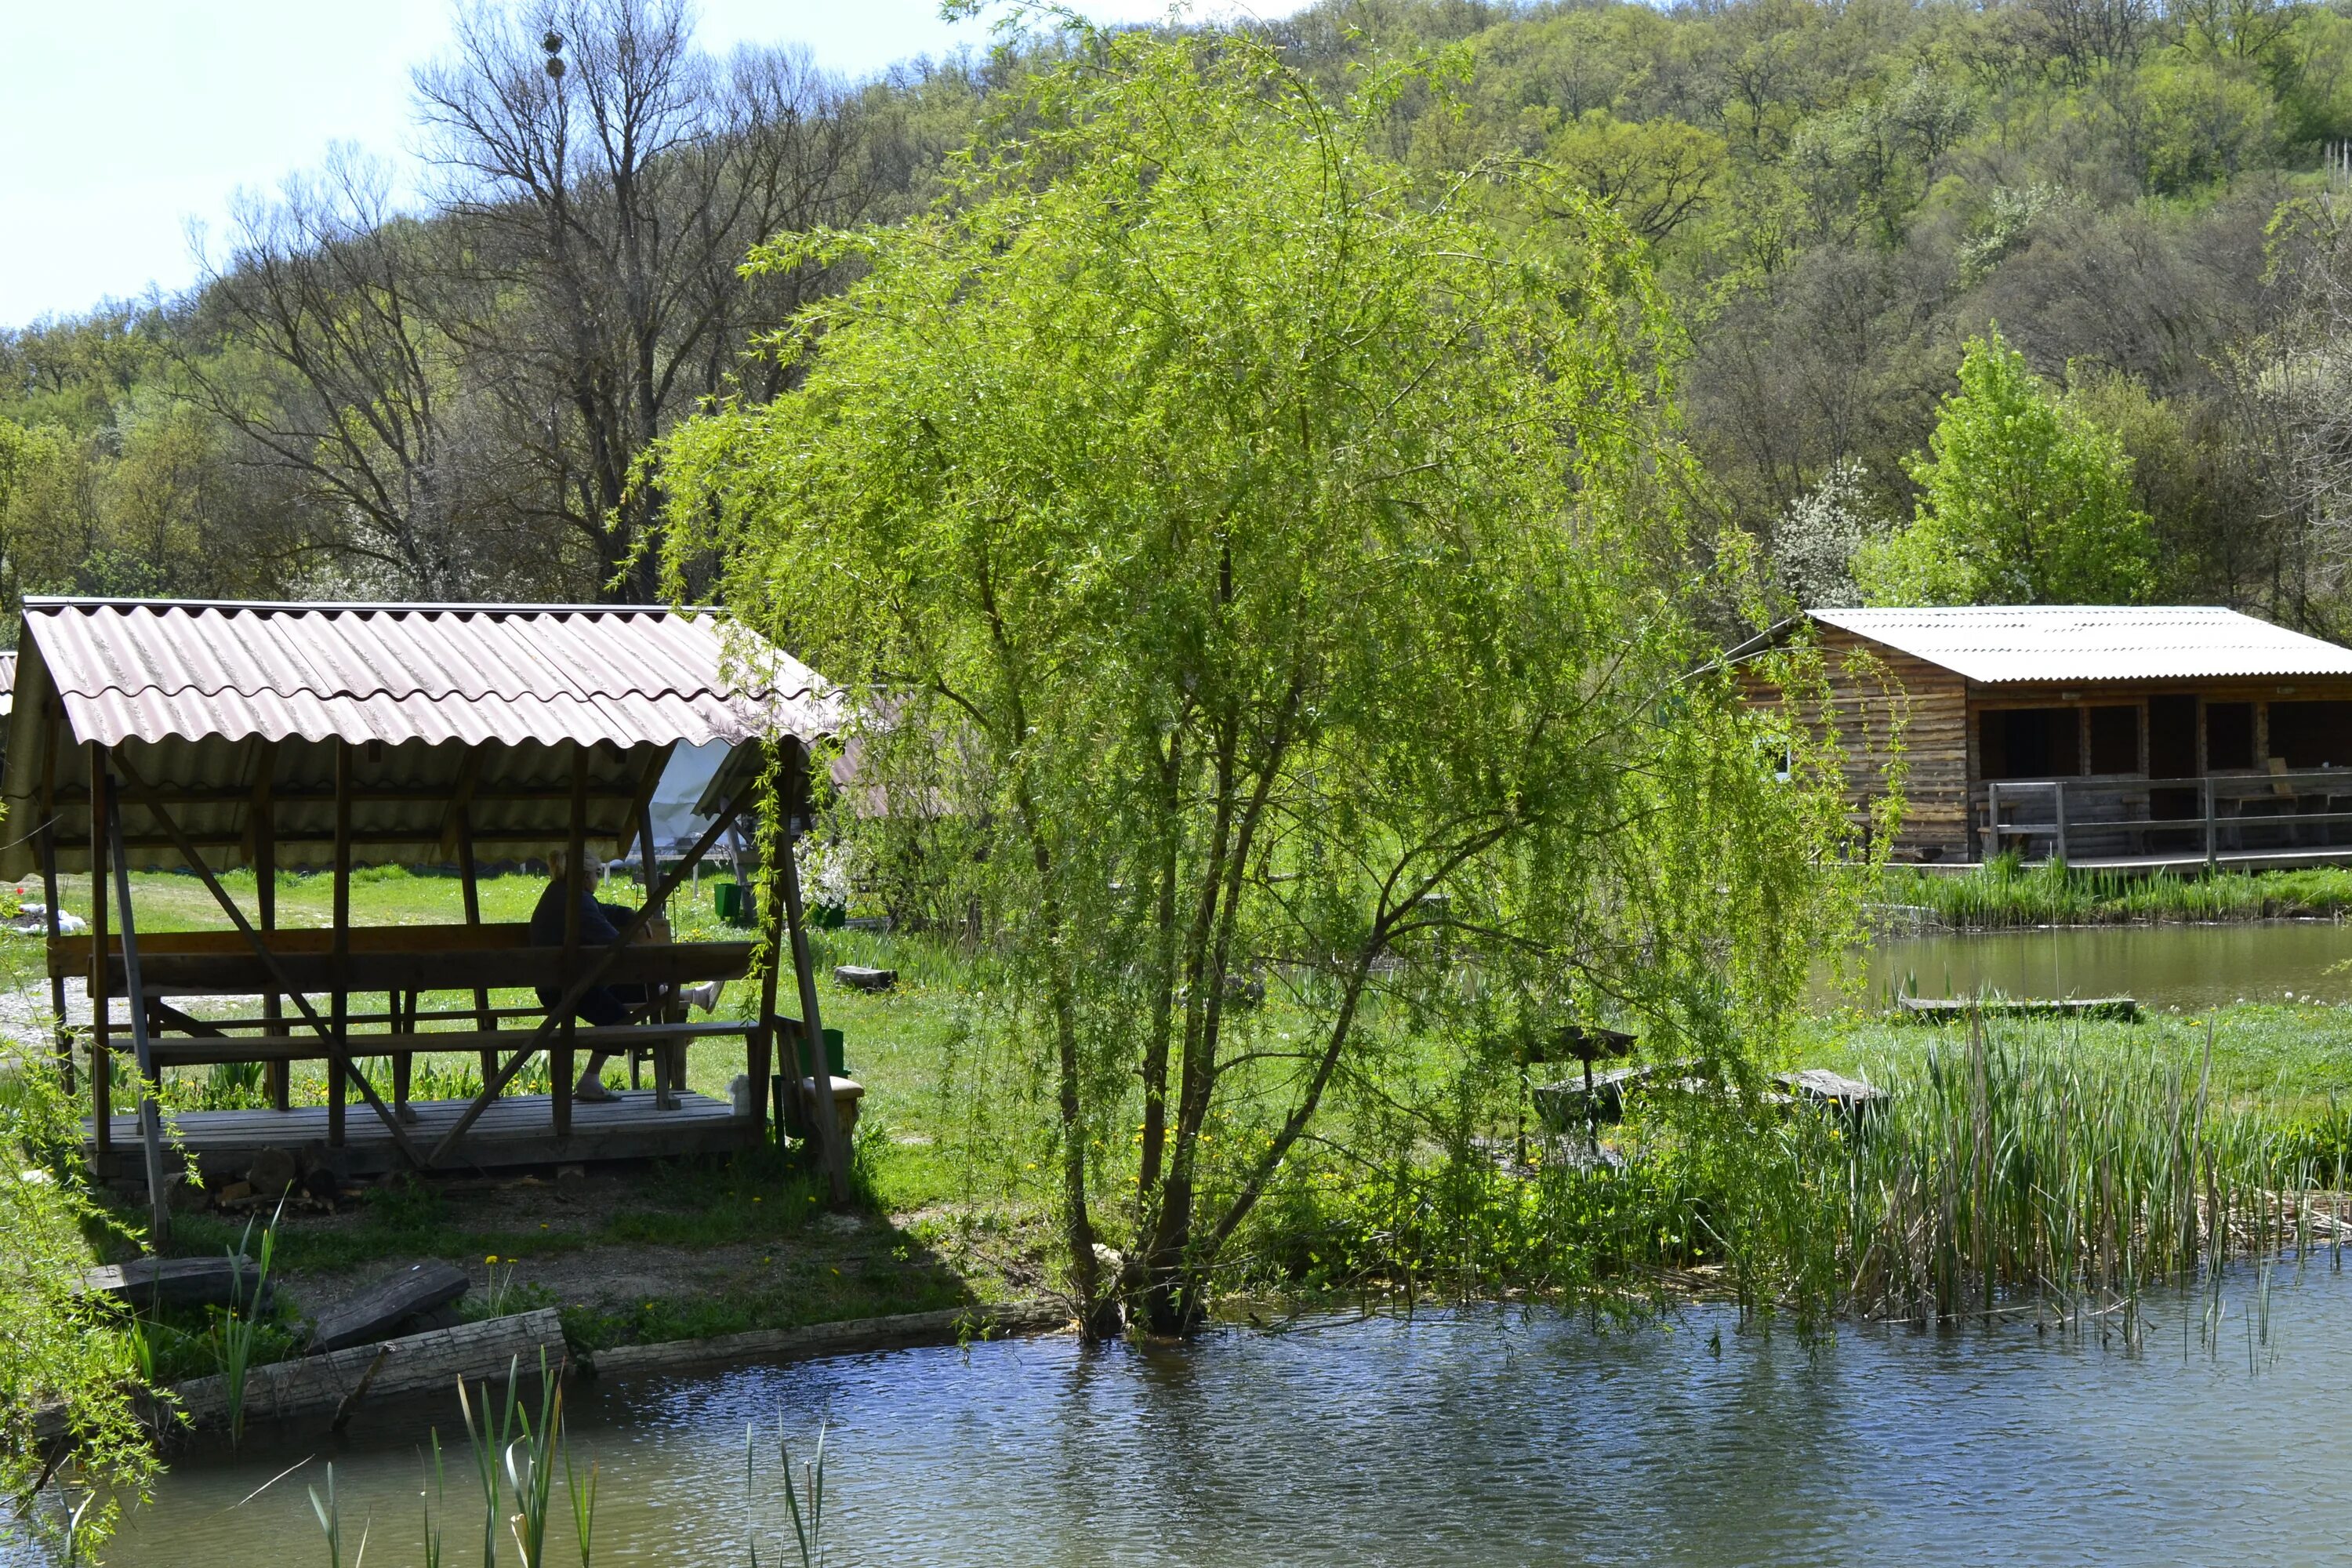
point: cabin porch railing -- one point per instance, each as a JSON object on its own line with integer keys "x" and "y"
{"x": 2071, "y": 818}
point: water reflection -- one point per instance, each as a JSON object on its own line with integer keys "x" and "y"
{"x": 1484, "y": 1438}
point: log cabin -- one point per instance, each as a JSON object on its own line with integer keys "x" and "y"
{"x": 2124, "y": 736}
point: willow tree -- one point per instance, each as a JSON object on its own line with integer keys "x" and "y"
{"x": 1267, "y": 572}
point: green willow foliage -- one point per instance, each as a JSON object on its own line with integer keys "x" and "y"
{"x": 2023, "y": 500}
{"x": 55, "y": 1356}
{"x": 1264, "y": 573}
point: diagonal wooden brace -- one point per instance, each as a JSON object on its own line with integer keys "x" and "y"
{"x": 147, "y": 802}
{"x": 581, "y": 986}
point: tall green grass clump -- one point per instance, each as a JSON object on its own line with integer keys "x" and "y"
{"x": 2004, "y": 893}
{"x": 1999, "y": 1170}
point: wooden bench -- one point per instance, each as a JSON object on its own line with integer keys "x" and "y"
{"x": 403, "y": 963}
{"x": 382, "y": 957}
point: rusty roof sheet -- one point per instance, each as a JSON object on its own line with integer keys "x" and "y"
{"x": 2042, "y": 644}
{"x": 148, "y": 670}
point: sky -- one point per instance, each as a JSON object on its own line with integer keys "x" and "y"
{"x": 122, "y": 122}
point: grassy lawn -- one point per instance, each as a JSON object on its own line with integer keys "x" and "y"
{"x": 2296, "y": 1059}
{"x": 698, "y": 1247}
{"x": 954, "y": 1204}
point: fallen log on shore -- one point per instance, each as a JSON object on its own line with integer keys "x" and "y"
{"x": 434, "y": 1360}
{"x": 175, "y": 1281}
{"x": 853, "y": 1337}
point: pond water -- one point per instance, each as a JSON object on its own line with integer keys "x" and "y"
{"x": 2165, "y": 965}
{"x": 1486, "y": 1437}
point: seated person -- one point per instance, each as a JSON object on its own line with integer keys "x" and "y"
{"x": 600, "y": 924}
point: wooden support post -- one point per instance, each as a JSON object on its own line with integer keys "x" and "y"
{"x": 2058, "y": 798}
{"x": 575, "y": 887}
{"x": 151, "y": 1115}
{"x": 101, "y": 1054}
{"x": 470, "y": 881}
{"x": 64, "y": 1036}
{"x": 279, "y": 1075}
{"x": 402, "y": 1005}
{"x": 340, "y": 1000}
{"x": 760, "y": 1046}
{"x": 2208, "y": 823}
{"x": 669, "y": 1056}
{"x": 824, "y": 1119}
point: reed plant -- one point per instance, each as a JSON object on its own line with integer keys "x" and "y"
{"x": 2004, "y": 893}
{"x": 2007, "y": 1176}
{"x": 240, "y": 1328}
{"x": 486, "y": 1437}
{"x": 330, "y": 1520}
{"x": 530, "y": 1461}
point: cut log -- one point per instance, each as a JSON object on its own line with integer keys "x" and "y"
{"x": 174, "y": 1281}
{"x": 434, "y": 1361}
{"x": 379, "y": 1310}
{"x": 857, "y": 977}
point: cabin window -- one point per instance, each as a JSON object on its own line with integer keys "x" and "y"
{"x": 2172, "y": 737}
{"x": 2312, "y": 734}
{"x": 2228, "y": 735}
{"x": 2029, "y": 743}
{"x": 2115, "y": 740}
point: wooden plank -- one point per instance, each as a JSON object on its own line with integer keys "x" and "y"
{"x": 70, "y": 955}
{"x": 175, "y": 1281}
{"x": 63, "y": 1043}
{"x": 469, "y": 885}
{"x": 101, "y": 1058}
{"x": 151, "y": 1113}
{"x": 575, "y": 889}
{"x": 379, "y": 1309}
{"x": 202, "y": 1050}
{"x": 856, "y": 1336}
{"x": 445, "y": 969}
{"x": 262, "y": 824}
{"x": 516, "y": 1134}
{"x": 414, "y": 1363}
{"x": 832, "y": 1146}
{"x": 340, "y": 998}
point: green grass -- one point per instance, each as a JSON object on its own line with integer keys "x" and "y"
{"x": 956, "y": 1180}
{"x": 2296, "y": 1059}
{"x": 2003, "y": 894}
{"x": 933, "y": 1098}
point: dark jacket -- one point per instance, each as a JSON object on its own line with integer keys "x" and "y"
{"x": 600, "y": 924}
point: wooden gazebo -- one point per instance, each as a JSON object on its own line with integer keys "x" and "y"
{"x": 208, "y": 736}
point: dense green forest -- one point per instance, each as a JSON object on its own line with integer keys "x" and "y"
{"x": 2137, "y": 213}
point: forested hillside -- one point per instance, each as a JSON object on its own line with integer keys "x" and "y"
{"x": 2147, "y": 204}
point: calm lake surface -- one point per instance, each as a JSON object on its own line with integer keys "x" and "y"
{"x": 1481, "y": 1437}
{"x": 2169, "y": 965}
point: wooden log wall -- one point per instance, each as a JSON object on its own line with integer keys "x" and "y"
{"x": 1890, "y": 709}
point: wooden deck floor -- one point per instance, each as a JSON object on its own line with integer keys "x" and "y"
{"x": 515, "y": 1131}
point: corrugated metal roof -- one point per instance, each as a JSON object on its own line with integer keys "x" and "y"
{"x": 470, "y": 673}
{"x": 2012, "y": 643}
{"x": 485, "y": 704}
